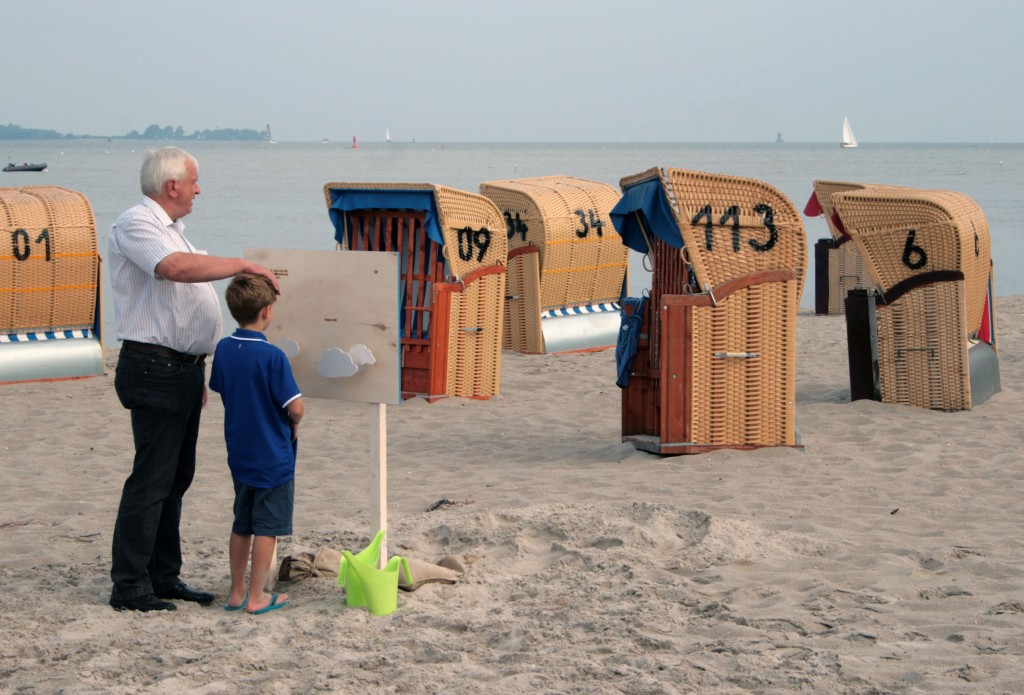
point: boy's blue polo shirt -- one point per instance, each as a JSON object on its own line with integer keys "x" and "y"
{"x": 255, "y": 382}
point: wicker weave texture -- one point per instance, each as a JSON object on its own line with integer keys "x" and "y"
{"x": 903, "y": 232}
{"x": 742, "y": 344}
{"x": 824, "y": 190}
{"x": 50, "y": 269}
{"x": 733, "y": 226}
{"x": 475, "y": 242}
{"x": 475, "y": 338}
{"x": 747, "y": 400}
{"x": 522, "y": 330}
{"x": 474, "y": 230}
{"x": 582, "y": 259}
{"x": 922, "y": 353}
{"x": 846, "y": 272}
{"x": 905, "y": 236}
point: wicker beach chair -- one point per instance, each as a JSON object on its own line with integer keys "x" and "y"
{"x": 50, "y": 307}
{"x": 838, "y": 267}
{"x": 566, "y": 268}
{"x": 715, "y": 365}
{"x": 930, "y": 311}
{"x": 453, "y": 251}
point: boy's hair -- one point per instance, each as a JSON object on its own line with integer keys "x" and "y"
{"x": 247, "y": 295}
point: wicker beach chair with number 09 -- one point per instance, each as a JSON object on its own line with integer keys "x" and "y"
{"x": 566, "y": 267}
{"x": 924, "y": 335}
{"x": 452, "y": 253}
{"x": 715, "y": 360}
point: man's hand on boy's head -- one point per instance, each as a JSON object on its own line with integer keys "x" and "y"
{"x": 255, "y": 269}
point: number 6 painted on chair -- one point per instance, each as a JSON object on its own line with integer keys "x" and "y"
{"x": 910, "y": 249}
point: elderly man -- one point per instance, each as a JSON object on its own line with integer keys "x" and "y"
{"x": 168, "y": 319}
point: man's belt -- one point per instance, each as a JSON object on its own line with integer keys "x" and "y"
{"x": 161, "y": 351}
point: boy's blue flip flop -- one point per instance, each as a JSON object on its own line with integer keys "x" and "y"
{"x": 243, "y": 604}
{"x": 272, "y": 606}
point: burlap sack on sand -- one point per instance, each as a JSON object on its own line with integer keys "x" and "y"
{"x": 323, "y": 562}
{"x": 427, "y": 573}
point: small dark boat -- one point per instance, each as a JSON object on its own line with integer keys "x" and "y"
{"x": 25, "y": 167}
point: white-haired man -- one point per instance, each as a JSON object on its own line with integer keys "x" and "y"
{"x": 168, "y": 318}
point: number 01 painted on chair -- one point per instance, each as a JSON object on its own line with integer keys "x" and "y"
{"x": 21, "y": 247}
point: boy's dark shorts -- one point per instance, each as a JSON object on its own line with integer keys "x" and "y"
{"x": 264, "y": 511}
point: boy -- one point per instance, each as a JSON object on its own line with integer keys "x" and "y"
{"x": 262, "y": 410}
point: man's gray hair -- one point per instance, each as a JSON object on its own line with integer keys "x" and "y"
{"x": 163, "y": 165}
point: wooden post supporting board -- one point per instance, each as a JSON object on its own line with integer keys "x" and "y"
{"x": 379, "y": 474}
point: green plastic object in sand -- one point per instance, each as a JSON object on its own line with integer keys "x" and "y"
{"x": 378, "y": 588}
{"x": 369, "y": 556}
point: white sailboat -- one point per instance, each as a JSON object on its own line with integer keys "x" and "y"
{"x": 849, "y": 139}
{"x": 270, "y": 140}
{"x": 387, "y": 135}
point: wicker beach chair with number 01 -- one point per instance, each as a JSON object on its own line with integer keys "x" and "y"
{"x": 453, "y": 250}
{"x": 924, "y": 335}
{"x": 50, "y": 304}
{"x": 566, "y": 266}
{"x": 715, "y": 360}
{"x": 838, "y": 267}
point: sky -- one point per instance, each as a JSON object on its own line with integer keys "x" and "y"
{"x": 521, "y": 70}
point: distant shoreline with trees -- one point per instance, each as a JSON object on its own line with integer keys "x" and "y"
{"x": 153, "y": 132}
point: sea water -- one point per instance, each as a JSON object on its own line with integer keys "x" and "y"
{"x": 262, "y": 195}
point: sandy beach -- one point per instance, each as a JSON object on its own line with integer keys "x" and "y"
{"x": 886, "y": 555}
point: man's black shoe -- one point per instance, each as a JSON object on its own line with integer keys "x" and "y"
{"x": 149, "y": 602}
{"x": 182, "y": 592}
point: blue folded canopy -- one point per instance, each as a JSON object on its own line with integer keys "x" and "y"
{"x": 344, "y": 200}
{"x": 632, "y": 316}
{"x": 649, "y": 200}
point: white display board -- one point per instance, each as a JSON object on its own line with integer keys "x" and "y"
{"x": 338, "y": 320}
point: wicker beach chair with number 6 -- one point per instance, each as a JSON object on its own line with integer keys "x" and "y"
{"x": 930, "y": 314}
